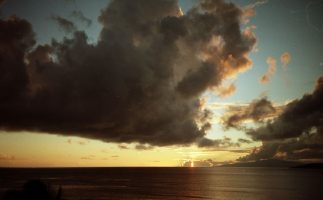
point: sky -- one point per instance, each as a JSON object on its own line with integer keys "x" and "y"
{"x": 160, "y": 83}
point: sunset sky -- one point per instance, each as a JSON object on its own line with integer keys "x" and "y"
{"x": 160, "y": 83}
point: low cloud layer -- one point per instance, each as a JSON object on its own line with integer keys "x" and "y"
{"x": 6, "y": 157}
{"x": 297, "y": 133}
{"x": 200, "y": 163}
{"x": 140, "y": 83}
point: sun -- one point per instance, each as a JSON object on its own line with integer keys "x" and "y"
{"x": 192, "y": 163}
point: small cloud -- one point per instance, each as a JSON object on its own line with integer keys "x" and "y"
{"x": 89, "y": 157}
{"x": 6, "y": 157}
{"x": 249, "y": 10}
{"x": 270, "y": 72}
{"x": 123, "y": 146}
{"x": 143, "y": 147}
{"x": 224, "y": 91}
{"x": 285, "y": 59}
{"x": 115, "y": 156}
{"x": 246, "y": 141}
{"x": 64, "y": 24}
{"x": 83, "y": 142}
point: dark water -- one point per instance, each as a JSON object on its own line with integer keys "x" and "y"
{"x": 174, "y": 183}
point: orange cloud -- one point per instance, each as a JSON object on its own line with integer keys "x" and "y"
{"x": 225, "y": 91}
{"x": 249, "y": 10}
{"x": 271, "y": 70}
{"x": 285, "y": 59}
{"x": 6, "y": 157}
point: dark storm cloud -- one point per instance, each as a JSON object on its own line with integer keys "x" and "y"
{"x": 2, "y": 2}
{"x": 77, "y": 14}
{"x": 140, "y": 83}
{"x": 65, "y": 24}
{"x": 256, "y": 111}
{"x": 305, "y": 147}
{"x": 297, "y": 133}
{"x": 16, "y": 38}
{"x": 300, "y": 116}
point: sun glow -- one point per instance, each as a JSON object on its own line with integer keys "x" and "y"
{"x": 192, "y": 163}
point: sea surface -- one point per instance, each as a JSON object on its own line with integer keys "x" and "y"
{"x": 174, "y": 183}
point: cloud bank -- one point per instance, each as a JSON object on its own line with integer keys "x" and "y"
{"x": 297, "y": 133}
{"x": 140, "y": 83}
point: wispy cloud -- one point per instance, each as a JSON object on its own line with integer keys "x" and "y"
{"x": 249, "y": 10}
{"x": 65, "y": 24}
{"x": 88, "y": 157}
{"x": 143, "y": 147}
{"x": 6, "y": 157}
{"x": 123, "y": 146}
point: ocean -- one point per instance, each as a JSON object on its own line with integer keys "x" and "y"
{"x": 220, "y": 183}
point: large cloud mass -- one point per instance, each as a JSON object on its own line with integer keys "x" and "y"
{"x": 300, "y": 116}
{"x": 297, "y": 133}
{"x": 141, "y": 82}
